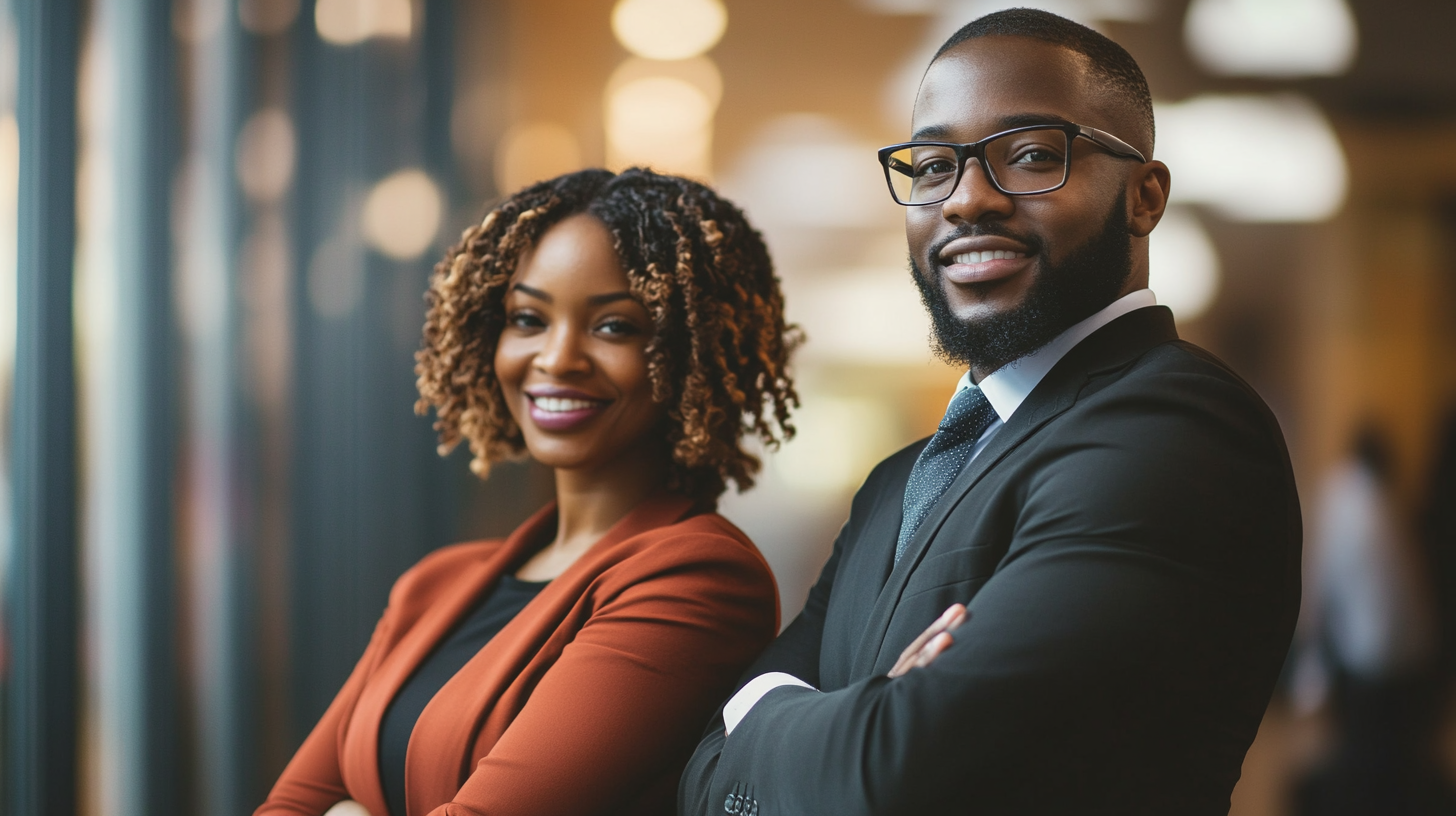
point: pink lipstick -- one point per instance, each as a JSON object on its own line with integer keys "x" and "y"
{"x": 562, "y": 409}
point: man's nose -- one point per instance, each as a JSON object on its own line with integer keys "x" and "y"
{"x": 975, "y": 198}
{"x": 564, "y": 351}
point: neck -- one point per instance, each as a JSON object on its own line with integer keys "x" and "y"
{"x": 589, "y": 501}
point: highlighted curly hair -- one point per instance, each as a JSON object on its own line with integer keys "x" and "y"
{"x": 719, "y": 352}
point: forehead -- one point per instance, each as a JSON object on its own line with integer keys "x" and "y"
{"x": 989, "y": 84}
{"x": 575, "y": 253}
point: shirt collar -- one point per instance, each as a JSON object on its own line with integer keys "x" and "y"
{"x": 1009, "y": 386}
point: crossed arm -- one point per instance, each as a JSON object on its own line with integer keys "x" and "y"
{"x": 1127, "y": 643}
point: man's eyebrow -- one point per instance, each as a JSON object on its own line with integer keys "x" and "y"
{"x": 532, "y": 291}
{"x": 1015, "y": 120}
{"x": 609, "y": 297}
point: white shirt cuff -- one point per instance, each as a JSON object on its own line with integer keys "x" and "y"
{"x": 747, "y": 697}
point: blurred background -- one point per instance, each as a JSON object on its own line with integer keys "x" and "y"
{"x": 217, "y": 218}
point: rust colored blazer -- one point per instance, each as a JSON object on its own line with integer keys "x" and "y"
{"x": 590, "y": 701}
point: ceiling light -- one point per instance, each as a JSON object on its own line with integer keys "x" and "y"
{"x": 669, "y": 29}
{"x": 1253, "y": 158}
{"x": 1271, "y": 38}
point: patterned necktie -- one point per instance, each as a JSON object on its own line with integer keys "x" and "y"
{"x": 968, "y": 416}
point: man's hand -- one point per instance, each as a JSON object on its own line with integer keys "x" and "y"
{"x": 924, "y": 649}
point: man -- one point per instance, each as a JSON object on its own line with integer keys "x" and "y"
{"x": 1107, "y": 513}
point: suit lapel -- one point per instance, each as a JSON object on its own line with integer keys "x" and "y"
{"x": 415, "y": 645}
{"x": 1111, "y": 346}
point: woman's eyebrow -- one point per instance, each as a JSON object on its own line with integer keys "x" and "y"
{"x": 532, "y": 291}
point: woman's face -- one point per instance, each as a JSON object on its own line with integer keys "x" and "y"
{"x": 572, "y": 358}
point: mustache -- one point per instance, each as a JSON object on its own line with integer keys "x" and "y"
{"x": 981, "y": 230}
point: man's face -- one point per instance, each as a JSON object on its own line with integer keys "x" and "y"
{"x": 1059, "y": 256}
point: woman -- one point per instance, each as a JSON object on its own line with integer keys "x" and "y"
{"x": 627, "y": 331}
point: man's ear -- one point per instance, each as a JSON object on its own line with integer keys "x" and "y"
{"x": 1147, "y": 197}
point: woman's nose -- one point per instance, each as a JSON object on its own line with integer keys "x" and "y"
{"x": 564, "y": 351}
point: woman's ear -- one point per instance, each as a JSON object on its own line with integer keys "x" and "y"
{"x": 1147, "y": 197}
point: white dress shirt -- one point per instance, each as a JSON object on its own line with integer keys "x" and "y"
{"x": 1005, "y": 388}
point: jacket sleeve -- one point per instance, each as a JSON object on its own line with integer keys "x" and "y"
{"x": 794, "y": 652}
{"x": 1157, "y": 560}
{"x": 624, "y": 704}
{"x": 313, "y": 781}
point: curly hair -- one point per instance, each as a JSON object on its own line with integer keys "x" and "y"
{"x": 718, "y": 355}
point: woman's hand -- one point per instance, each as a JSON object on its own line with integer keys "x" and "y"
{"x": 924, "y": 649}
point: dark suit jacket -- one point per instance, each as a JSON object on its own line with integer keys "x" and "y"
{"x": 1128, "y": 547}
{"x": 588, "y": 701}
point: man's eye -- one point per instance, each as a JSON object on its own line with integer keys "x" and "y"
{"x": 935, "y": 167}
{"x": 1037, "y": 155}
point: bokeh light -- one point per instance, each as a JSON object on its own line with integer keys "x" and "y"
{"x": 1254, "y": 158}
{"x": 669, "y": 29}
{"x": 346, "y": 22}
{"x": 266, "y": 154}
{"x": 661, "y": 121}
{"x": 1271, "y": 38}
{"x": 532, "y": 152}
{"x": 402, "y": 214}
{"x": 1183, "y": 265}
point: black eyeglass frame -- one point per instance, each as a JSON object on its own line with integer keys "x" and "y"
{"x": 977, "y": 151}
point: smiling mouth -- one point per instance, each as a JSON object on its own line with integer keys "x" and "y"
{"x": 988, "y": 255}
{"x": 561, "y": 414}
{"x": 565, "y": 405}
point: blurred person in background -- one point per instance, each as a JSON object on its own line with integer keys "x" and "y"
{"x": 1438, "y": 539}
{"x": 1107, "y": 514}
{"x": 1367, "y": 649}
{"x": 626, "y": 330}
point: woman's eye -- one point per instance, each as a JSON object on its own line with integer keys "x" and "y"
{"x": 525, "y": 320}
{"x": 617, "y": 327}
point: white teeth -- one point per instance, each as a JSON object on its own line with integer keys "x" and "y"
{"x": 558, "y": 405}
{"x": 988, "y": 255}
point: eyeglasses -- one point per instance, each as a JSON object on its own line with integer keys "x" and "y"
{"x": 1021, "y": 161}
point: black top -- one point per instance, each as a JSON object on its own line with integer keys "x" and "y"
{"x": 468, "y": 637}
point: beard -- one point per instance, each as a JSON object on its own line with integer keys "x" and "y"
{"x": 1061, "y": 295}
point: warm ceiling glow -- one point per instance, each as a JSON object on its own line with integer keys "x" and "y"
{"x": 1253, "y": 158}
{"x": 533, "y": 152}
{"x": 660, "y": 121}
{"x": 1183, "y": 264}
{"x": 265, "y": 154}
{"x": 346, "y": 22}
{"x": 669, "y": 29}
{"x": 402, "y": 214}
{"x": 1271, "y": 38}
{"x": 806, "y": 170}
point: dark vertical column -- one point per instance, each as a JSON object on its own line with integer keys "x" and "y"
{"x": 370, "y": 497}
{"x": 139, "y": 673}
{"x": 220, "y": 449}
{"x": 40, "y": 716}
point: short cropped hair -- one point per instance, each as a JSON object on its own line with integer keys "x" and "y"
{"x": 1115, "y": 69}
{"x": 719, "y": 351}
